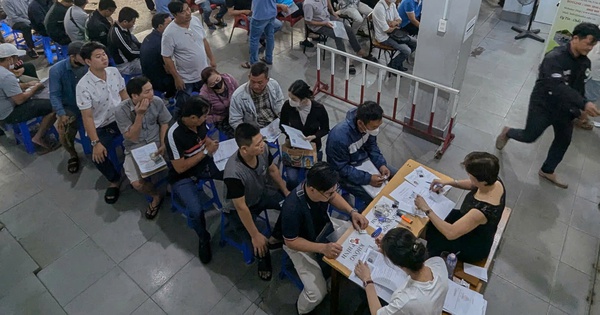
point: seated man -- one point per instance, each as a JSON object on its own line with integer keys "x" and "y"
{"x": 305, "y": 225}
{"x": 98, "y": 94}
{"x": 17, "y": 18}
{"x": 316, "y": 15}
{"x": 16, "y": 102}
{"x": 55, "y": 22}
{"x": 75, "y": 20}
{"x": 123, "y": 47}
{"x": 142, "y": 119}
{"x": 153, "y": 65}
{"x": 37, "y": 12}
{"x": 357, "y": 11}
{"x": 354, "y": 141}
{"x": 246, "y": 176}
{"x": 207, "y": 11}
{"x": 64, "y": 76}
{"x": 98, "y": 25}
{"x": 258, "y": 101}
{"x": 410, "y": 13}
{"x": 190, "y": 152}
{"x": 385, "y": 22}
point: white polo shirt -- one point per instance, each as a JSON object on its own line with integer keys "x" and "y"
{"x": 186, "y": 47}
{"x": 101, "y": 96}
{"x": 383, "y": 13}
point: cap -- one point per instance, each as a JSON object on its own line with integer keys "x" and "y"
{"x": 8, "y": 50}
{"x": 74, "y": 47}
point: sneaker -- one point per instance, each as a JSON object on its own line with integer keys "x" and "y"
{"x": 211, "y": 27}
{"x": 32, "y": 54}
{"x": 307, "y": 43}
{"x": 362, "y": 33}
{"x": 220, "y": 23}
{"x": 204, "y": 252}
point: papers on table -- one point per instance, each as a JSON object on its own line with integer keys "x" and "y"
{"x": 388, "y": 220}
{"x": 291, "y": 9}
{"x": 422, "y": 178}
{"x": 463, "y": 301}
{"x": 224, "y": 152}
{"x": 369, "y": 167}
{"x": 387, "y": 277}
{"x": 476, "y": 271}
{"x": 296, "y": 138}
{"x": 339, "y": 29}
{"x": 354, "y": 247}
{"x": 596, "y": 124}
{"x": 271, "y": 132}
{"x": 147, "y": 162}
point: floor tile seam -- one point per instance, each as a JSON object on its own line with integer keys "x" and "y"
{"x": 128, "y": 255}
{"x": 17, "y": 204}
{"x": 588, "y": 291}
{"x": 543, "y": 299}
{"x": 223, "y": 298}
{"x": 166, "y": 281}
{"x": 153, "y": 301}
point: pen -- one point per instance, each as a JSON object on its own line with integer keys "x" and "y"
{"x": 377, "y": 232}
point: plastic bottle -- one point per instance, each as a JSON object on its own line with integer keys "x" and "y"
{"x": 451, "y": 264}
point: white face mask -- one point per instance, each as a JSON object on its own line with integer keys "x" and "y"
{"x": 373, "y": 132}
{"x": 294, "y": 103}
{"x": 11, "y": 66}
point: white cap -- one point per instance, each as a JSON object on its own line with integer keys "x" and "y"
{"x": 9, "y": 50}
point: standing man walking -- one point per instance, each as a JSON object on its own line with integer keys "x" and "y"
{"x": 558, "y": 98}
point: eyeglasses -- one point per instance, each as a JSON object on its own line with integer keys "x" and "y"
{"x": 329, "y": 194}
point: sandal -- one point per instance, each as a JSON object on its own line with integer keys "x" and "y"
{"x": 264, "y": 265}
{"x": 152, "y": 211}
{"x": 73, "y": 165}
{"x": 246, "y": 65}
{"x": 263, "y": 59}
{"x": 112, "y": 195}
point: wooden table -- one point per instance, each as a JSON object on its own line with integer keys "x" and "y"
{"x": 417, "y": 226}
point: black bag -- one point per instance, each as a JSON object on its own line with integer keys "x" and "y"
{"x": 400, "y": 36}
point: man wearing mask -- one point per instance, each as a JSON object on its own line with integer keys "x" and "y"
{"x": 64, "y": 76}
{"x": 123, "y": 47}
{"x": 353, "y": 142}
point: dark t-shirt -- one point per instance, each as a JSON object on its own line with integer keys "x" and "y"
{"x": 181, "y": 142}
{"x": 235, "y": 186}
{"x": 302, "y": 217}
{"x": 240, "y": 4}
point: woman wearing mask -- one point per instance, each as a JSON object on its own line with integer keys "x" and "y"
{"x": 217, "y": 90}
{"x": 424, "y": 292}
{"x": 300, "y": 111}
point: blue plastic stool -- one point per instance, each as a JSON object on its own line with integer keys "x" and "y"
{"x": 83, "y": 138}
{"x": 246, "y": 249}
{"x": 6, "y": 30}
{"x": 211, "y": 131}
{"x": 22, "y": 134}
{"x": 275, "y": 145}
{"x": 20, "y": 41}
{"x": 286, "y": 273}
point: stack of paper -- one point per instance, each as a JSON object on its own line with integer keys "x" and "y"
{"x": 291, "y": 9}
{"x": 224, "y": 152}
{"x": 354, "y": 247}
{"x": 385, "y": 224}
{"x": 146, "y": 161}
{"x": 422, "y": 178}
{"x": 296, "y": 137}
{"x": 271, "y": 132}
{"x": 476, "y": 271}
{"x": 369, "y": 167}
{"x": 463, "y": 301}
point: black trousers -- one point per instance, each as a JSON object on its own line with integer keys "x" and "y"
{"x": 538, "y": 120}
{"x": 26, "y": 30}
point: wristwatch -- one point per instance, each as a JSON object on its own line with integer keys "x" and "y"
{"x": 94, "y": 142}
{"x": 367, "y": 283}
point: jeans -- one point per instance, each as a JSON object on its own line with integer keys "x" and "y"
{"x": 183, "y": 95}
{"x": 538, "y": 119}
{"x": 106, "y": 135}
{"x": 25, "y": 29}
{"x": 193, "y": 199}
{"x": 270, "y": 200}
{"x": 207, "y": 11}
{"x": 257, "y": 28}
{"x": 404, "y": 50}
{"x": 411, "y": 29}
{"x": 359, "y": 192}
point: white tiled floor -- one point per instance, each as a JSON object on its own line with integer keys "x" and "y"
{"x": 64, "y": 250}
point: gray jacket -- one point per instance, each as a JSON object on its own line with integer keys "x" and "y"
{"x": 16, "y": 11}
{"x": 241, "y": 106}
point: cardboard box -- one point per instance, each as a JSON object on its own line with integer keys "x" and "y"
{"x": 298, "y": 157}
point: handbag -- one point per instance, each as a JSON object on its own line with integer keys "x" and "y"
{"x": 400, "y": 36}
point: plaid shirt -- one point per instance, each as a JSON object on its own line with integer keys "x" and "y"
{"x": 264, "y": 113}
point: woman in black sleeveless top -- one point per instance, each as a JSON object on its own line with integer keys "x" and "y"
{"x": 469, "y": 230}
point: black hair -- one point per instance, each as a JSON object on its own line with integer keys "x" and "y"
{"x": 369, "y": 111}
{"x": 483, "y": 166}
{"x": 136, "y": 85}
{"x": 195, "y": 106}
{"x": 175, "y": 7}
{"x": 403, "y": 249}
{"x": 244, "y": 134}
{"x": 582, "y": 30}
{"x": 106, "y": 4}
{"x": 207, "y": 72}
{"x": 128, "y": 14}
{"x": 158, "y": 19}
{"x": 322, "y": 176}
{"x": 80, "y": 2}
{"x": 258, "y": 69}
{"x": 301, "y": 89}
{"x": 88, "y": 49}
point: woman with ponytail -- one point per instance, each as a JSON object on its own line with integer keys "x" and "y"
{"x": 424, "y": 292}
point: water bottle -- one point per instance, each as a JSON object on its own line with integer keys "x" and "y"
{"x": 451, "y": 264}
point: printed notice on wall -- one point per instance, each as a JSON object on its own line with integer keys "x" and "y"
{"x": 470, "y": 28}
{"x": 569, "y": 14}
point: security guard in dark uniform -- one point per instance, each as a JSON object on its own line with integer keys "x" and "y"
{"x": 558, "y": 98}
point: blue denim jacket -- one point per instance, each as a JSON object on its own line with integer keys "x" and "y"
{"x": 63, "y": 80}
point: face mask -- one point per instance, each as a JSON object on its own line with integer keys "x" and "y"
{"x": 373, "y": 132}
{"x": 11, "y": 66}
{"x": 294, "y": 103}
{"x": 131, "y": 29}
{"x": 218, "y": 86}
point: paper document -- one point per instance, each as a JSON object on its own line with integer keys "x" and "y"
{"x": 297, "y": 138}
{"x": 383, "y": 216}
{"x": 476, "y": 271}
{"x": 354, "y": 247}
{"x": 339, "y": 29}
{"x": 387, "y": 277}
{"x": 226, "y": 149}
{"x": 406, "y": 194}
{"x": 146, "y": 160}
{"x": 291, "y": 9}
{"x": 422, "y": 178}
{"x": 463, "y": 301}
{"x": 369, "y": 167}
{"x": 271, "y": 132}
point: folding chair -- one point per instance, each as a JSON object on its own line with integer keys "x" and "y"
{"x": 373, "y": 43}
{"x": 292, "y": 21}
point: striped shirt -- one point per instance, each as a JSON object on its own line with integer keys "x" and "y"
{"x": 183, "y": 143}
